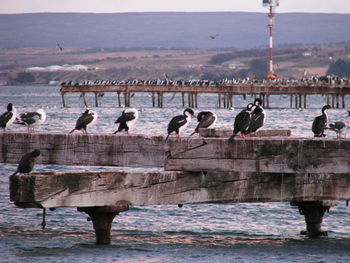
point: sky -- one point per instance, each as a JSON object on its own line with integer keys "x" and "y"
{"x": 113, "y": 6}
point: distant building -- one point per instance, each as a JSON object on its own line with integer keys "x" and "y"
{"x": 307, "y": 54}
{"x": 234, "y": 64}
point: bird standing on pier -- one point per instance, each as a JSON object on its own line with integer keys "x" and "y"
{"x": 258, "y": 117}
{"x": 339, "y": 127}
{"x": 206, "y": 119}
{"x": 242, "y": 122}
{"x": 180, "y": 122}
{"x": 26, "y": 164}
{"x": 88, "y": 118}
{"x": 320, "y": 123}
{"x": 31, "y": 119}
{"x": 8, "y": 117}
{"x": 127, "y": 120}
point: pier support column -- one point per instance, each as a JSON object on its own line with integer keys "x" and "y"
{"x": 102, "y": 218}
{"x": 96, "y": 99}
{"x": 313, "y": 212}
{"x": 63, "y": 101}
{"x": 119, "y": 102}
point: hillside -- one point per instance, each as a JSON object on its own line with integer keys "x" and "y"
{"x": 168, "y": 30}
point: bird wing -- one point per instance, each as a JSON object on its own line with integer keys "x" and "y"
{"x": 337, "y": 126}
{"x": 125, "y": 117}
{"x": 129, "y": 116}
{"x": 257, "y": 121}
{"x": 242, "y": 122}
{"x": 206, "y": 121}
{"x": 26, "y": 163}
{"x": 5, "y": 117}
{"x": 319, "y": 124}
{"x": 28, "y": 118}
{"x": 84, "y": 120}
{"x": 176, "y": 122}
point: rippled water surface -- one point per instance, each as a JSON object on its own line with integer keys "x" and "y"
{"x": 261, "y": 232}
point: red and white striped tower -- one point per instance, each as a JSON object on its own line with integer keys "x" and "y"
{"x": 272, "y": 5}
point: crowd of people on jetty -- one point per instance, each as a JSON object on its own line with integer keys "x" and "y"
{"x": 165, "y": 81}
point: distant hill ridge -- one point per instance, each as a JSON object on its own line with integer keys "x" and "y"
{"x": 169, "y": 30}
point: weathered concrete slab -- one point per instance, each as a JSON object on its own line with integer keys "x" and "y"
{"x": 81, "y": 149}
{"x": 262, "y": 155}
{"x": 226, "y": 133}
{"x": 113, "y": 188}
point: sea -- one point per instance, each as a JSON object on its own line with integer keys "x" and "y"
{"x": 199, "y": 233}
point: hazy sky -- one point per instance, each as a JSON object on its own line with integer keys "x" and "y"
{"x": 112, "y": 6}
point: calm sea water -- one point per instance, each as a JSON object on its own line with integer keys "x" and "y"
{"x": 261, "y": 232}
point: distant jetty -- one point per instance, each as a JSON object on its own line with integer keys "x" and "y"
{"x": 335, "y": 89}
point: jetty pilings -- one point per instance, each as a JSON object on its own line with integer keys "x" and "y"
{"x": 226, "y": 92}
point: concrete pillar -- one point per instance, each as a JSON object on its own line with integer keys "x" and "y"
{"x": 313, "y": 212}
{"x": 96, "y": 100}
{"x": 84, "y": 99}
{"x": 102, "y": 218}
{"x": 119, "y": 102}
{"x": 63, "y": 102}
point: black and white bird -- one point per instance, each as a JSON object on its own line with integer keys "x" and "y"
{"x": 206, "y": 119}
{"x": 339, "y": 127}
{"x": 320, "y": 123}
{"x": 8, "y": 117}
{"x": 27, "y": 162}
{"x": 180, "y": 122}
{"x": 88, "y": 118}
{"x": 127, "y": 120}
{"x": 258, "y": 117}
{"x": 31, "y": 120}
{"x": 242, "y": 122}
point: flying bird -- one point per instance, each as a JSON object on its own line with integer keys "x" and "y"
{"x": 88, "y": 118}
{"x": 206, "y": 119}
{"x": 58, "y": 46}
{"x": 8, "y": 117}
{"x": 320, "y": 122}
{"x": 214, "y": 36}
{"x": 26, "y": 164}
{"x": 31, "y": 120}
{"x": 179, "y": 122}
{"x": 127, "y": 120}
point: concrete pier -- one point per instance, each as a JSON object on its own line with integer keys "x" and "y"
{"x": 311, "y": 173}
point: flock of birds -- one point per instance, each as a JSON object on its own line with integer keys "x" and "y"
{"x": 249, "y": 121}
{"x": 310, "y": 81}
